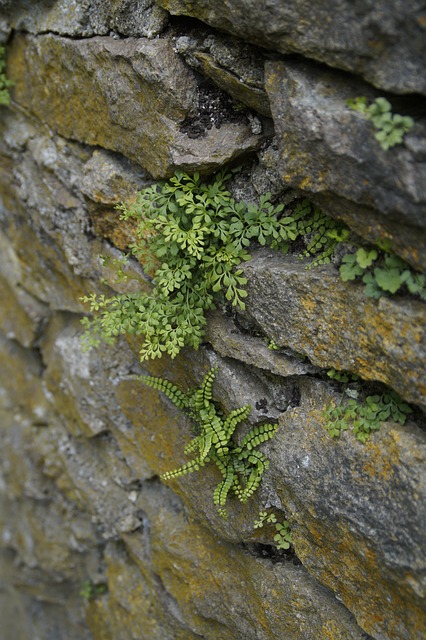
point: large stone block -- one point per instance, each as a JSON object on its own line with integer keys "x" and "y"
{"x": 218, "y": 590}
{"x": 336, "y": 325}
{"x": 330, "y": 152}
{"x": 358, "y": 514}
{"x": 385, "y": 42}
{"x": 132, "y": 96}
{"x": 140, "y": 18}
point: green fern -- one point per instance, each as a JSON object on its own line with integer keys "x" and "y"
{"x": 240, "y": 465}
{"x": 382, "y": 272}
{"x": 5, "y": 84}
{"x": 391, "y": 128}
{"x": 282, "y": 538}
{"x": 364, "y": 417}
{"x": 192, "y": 236}
{"x": 321, "y": 233}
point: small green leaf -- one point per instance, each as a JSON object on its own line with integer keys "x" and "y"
{"x": 366, "y": 258}
{"x": 388, "y": 279}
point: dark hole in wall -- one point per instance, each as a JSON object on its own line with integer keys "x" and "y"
{"x": 269, "y": 552}
{"x": 215, "y": 108}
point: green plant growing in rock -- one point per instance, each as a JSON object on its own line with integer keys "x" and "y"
{"x": 240, "y": 464}
{"x": 91, "y": 591}
{"x": 391, "y": 128}
{"x": 342, "y": 376}
{"x": 364, "y": 416}
{"x": 383, "y": 273}
{"x": 282, "y": 536}
{"x": 5, "y": 84}
{"x": 272, "y": 345}
{"x": 192, "y": 236}
{"x": 323, "y": 233}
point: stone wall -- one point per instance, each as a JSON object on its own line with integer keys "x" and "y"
{"x": 107, "y": 98}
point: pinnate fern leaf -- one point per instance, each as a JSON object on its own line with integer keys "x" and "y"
{"x": 259, "y": 434}
{"x": 241, "y": 466}
{"x": 176, "y": 395}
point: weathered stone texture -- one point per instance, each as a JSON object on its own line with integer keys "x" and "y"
{"x": 336, "y": 325}
{"x": 384, "y": 43}
{"x": 363, "y": 532}
{"x": 140, "y": 18}
{"x": 95, "y": 117}
{"x": 330, "y": 150}
{"x": 235, "y": 67}
{"x": 131, "y": 96}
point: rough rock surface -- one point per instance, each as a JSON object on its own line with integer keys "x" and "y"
{"x": 94, "y": 545}
{"x": 384, "y": 43}
{"x": 236, "y": 68}
{"x": 140, "y": 18}
{"x": 370, "y": 542}
{"x": 330, "y": 150}
{"x": 141, "y": 112}
{"x": 336, "y": 325}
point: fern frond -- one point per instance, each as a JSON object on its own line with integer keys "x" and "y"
{"x": 220, "y": 438}
{"x": 259, "y": 434}
{"x": 241, "y": 466}
{"x": 258, "y": 464}
{"x": 235, "y": 417}
{"x": 189, "y": 467}
{"x": 205, "y": 444}
{"x": 202, "y": 397}
{"x": 221, "y": 463}
{"x": 176, "y": 395}
{"x": 221, "y": 492}
{"x": 193, "y": 445}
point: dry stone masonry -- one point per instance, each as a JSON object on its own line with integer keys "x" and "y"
{"x": 109, "y": 97}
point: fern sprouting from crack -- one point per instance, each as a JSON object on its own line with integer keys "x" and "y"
{"x": 363, "y": 416}
{"x": 5, "y": 84}
{"x": 382, "y": 272}
{"x": 241, "y": 465}
{"x": 282, "y": 538}
{"x": 390, "y": 128}
{"x": 192, "y": 237}
{"x": 321, "y": 233}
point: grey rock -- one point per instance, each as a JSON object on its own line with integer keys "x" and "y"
{"x": 234, "y": 66}
{"x": 51, "y": 217}
{"x": 134, "y": 96}
{"x": 357, "y": 514}
{"x": 87, "y": 18}
{"x": 229, "y": 341}
{"x": 290, "y": 602}
{"x": 71, "y": 371}
{"x": 21, "y": 388}
{"x": 21, "y": 315}
{"x": 108, "y": 178}
{"x": 32, "y": 608}
{"x": 138, "y": 18}
{"x": 88, "y": 472}
{"x": 336, "y": 325}
{"x": 327, "y": 148}
{"x": 385, "y": 43}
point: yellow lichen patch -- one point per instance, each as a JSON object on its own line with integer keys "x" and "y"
{"x": 332, "y": 631}
{"x": 308, "y": 303}
{"x": 127, "y": 605}
{"x": 381, "y": 458}
{"x": 305, "y": 183}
